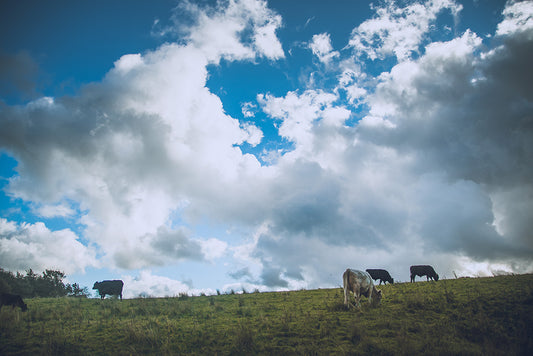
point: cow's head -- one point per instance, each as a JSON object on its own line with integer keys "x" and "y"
{"x": 96, "y": 285}
{"x": 436, "y": 277}
{"x": 392, "y": 280}
{"x": 23, "y": 306}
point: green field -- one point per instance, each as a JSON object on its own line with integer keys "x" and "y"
{"x": 460, "y": 316}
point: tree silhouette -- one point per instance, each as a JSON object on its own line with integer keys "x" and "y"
{"x": 49, "y": 284}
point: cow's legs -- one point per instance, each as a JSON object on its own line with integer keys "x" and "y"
{"x": 346, "y": 297}
{"x": 357, "y": 300}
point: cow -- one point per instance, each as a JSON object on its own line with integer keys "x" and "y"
{"x": 423, "y": 270}
{"x": 14, "y": 300}
{"x": 360, "y": 283}
{"x": 109, "y": 287}
{"x": 380, "y": 274}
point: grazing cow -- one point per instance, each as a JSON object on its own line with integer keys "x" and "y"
{"x": 423, "y": 270}
{"x": 14, "y": 300}
{"x": 109, "y": 287}
{"x": 360, "y": 283}
{"x": 380, "y": 274}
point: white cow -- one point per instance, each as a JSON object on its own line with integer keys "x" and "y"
{"x": 360, "y": 283}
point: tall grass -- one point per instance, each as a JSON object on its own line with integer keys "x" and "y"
{"x": 475, "y": 316}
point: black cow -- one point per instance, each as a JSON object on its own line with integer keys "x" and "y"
{"x": 14, "y": 300}
{"x": 380, "y": 274}
{"x": 109, "y": 287}
{"x": 423, "y": 270}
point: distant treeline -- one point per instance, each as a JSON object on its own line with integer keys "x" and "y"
{"x": 31, "y": 284}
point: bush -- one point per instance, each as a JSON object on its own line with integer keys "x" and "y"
{"x": 49, "y": 284}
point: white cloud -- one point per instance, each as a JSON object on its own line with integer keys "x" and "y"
{"x": 218, "y": 34}
{"x": 299, "y": 113}
{"x": 248, "y": 109}
{"x": 397, "y": 31}
{"x": 50, "y": 211}
{"x": 351, "y": 80}
{"x": 437, "y": 171}
{"x": 213, "y": 248}
{"x": 254, "y": 135}
{"x": 321, "y": 47}
{"x": 355, "y": 93}
{"x": 24, "y": 246}
{"x": 146, "y": 284}
{"x": 517, "y": 18}
{"x": 434, "y": 166}
{"x": 265, "y": 39}
{"x": 133, "y": 147}
{"x": 128, "y": 62}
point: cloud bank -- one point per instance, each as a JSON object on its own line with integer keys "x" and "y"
{"x": 428, "y": 162}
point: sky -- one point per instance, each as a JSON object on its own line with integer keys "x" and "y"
{"x": 196, "y": 146}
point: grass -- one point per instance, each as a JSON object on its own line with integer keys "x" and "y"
{"x": 470, "y": 316}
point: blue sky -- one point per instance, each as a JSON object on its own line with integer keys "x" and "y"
{"x": 192, "y": 146}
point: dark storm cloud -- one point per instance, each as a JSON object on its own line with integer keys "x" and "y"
{"x": 471, "y": 119}
{"x": 441, "y": 163}
{"x": 271, "y": 277}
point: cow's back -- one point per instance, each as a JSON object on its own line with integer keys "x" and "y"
{"x": 423, "y": 270}
{"x": 380, "y": 274}
{"x": 113, "y": 287}
{"x": 114, "y": 284}
{"x": 363, "y": 281}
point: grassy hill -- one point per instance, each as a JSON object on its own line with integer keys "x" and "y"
{"x": 460, "y": 316}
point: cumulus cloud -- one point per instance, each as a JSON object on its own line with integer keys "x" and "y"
{"x": 24, "y": 246}
{"x": 397, "y": 31}
{"x": 517, "y": 18}
{"x": 434, "y": 165}
{"x": 219, "y": 34}
{"x": 51, "y": 211}
{"x": 248, "y": 109}
{"x": 147, "y": 284}
{"x": 434, "y": 169}
{"x": 133, "y": 147}
{"x": 213, "y": 248}
{"x": 321, "y": 47}
{"x": 300, "y": 112}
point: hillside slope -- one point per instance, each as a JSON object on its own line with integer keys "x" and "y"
{"x": 460, "y": 316}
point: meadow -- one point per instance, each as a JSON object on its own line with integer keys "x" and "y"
{"x": 466, "y": 316}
